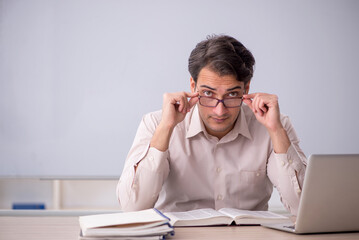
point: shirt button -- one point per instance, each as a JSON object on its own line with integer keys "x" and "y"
{"x": 258, "y": 174}
{"x": 299, "y": 191}
{"x": 283, "y": 163}
{"x": 290, "y": 160}
{"x": 151, "y": 158}
{"x": 134, "y": 186}
{"x": 219, "y": 170}
{"x": 219, "y": 197}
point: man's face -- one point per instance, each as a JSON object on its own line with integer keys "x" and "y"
{"x": 218, "y": 120}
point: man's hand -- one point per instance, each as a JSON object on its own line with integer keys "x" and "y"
{"x": 266, "y": 109}
{"x": 176, "y": 106}
{"x": 174, "y": 109}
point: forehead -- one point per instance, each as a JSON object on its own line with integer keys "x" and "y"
{"x": 214, "y": 80}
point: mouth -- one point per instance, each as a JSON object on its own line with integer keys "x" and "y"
{"x": 219, "y": 120}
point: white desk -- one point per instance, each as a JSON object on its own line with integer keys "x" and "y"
{"x": 66, "y": 227}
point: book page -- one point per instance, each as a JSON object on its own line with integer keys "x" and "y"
{"x": 236, "y": 213}
{"x": 195, "y": 214}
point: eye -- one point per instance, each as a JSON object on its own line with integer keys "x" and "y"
{"x": 207, "y": 93}
{"x": 233, "y": 94}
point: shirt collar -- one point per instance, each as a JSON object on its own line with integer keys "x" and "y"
{"x": 196, "y": 125}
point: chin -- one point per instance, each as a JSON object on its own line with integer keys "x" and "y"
{"x": 219, "y": 129}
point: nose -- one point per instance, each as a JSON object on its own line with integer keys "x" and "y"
{"x": 220, "y": 109}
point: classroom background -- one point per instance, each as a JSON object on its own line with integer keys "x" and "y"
{"x": 76, "y": 76}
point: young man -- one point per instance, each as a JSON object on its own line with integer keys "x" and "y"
{"x": 216, "y": 146}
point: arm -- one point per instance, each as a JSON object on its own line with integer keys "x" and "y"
{"x": 140, "y": 184}
{"x": 146, "y": 166}
{"x": 266, "y": 109}
{"x": 286, "y": 164}
{"x": 174, "y": 109}
{"x": 286, "y": 170}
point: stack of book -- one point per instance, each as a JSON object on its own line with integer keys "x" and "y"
{"x": 146, "y": 224}
{"x": 152, "y": 224}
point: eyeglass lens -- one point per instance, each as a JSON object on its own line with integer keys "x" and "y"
{"x": 213, "y": 102}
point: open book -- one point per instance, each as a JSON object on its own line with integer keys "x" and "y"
{"x": 146, "y": 223}
{"x": 224, "y": 216}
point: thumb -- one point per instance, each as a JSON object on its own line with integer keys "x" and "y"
{"x": 248, "y": 101}
{"x": 192, "y": 101}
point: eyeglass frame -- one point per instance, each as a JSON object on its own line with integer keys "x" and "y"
{"x": 218, "y": 101}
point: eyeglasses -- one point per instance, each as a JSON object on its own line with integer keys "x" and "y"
{"x": 227, "y": 102}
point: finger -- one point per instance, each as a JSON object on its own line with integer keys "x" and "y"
{"x": 192, "y": 102}
{"x": 251, "y": 101}
{"x": 185, "y": 104}
{"x": 257, "y": 105}
{"x": 193, "y": 98}
{"x": 248, "y": 101}
{"x": 249, "y": 96}
{"x": 180, "y": 102}
{"x": 179, "y": 106}
{"x": 263, "y": 106}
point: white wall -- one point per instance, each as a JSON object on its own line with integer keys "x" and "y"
{"x": 73, "y": 194}
{"x": 65, "y": 194}
{"x": 77, "y": 75}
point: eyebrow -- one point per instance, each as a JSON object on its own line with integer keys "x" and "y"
{"x": 237, "y": 87}
{"x": 229, "y": 89}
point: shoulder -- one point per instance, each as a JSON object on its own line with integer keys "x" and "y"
{"x": 151, "y": 120}
{"x": 154, "y": 117}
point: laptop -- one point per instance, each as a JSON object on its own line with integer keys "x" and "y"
{"x": 330, "y": 196}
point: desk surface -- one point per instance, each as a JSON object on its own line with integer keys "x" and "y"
{"x": 16, "y": 228}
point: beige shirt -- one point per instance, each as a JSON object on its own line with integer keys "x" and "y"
{"x": 200, "y": 171}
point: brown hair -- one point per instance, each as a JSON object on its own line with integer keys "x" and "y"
{"x": 224, "y": 55}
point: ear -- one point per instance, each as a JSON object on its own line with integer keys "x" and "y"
{"x": 193, "y": 85}
{"x": 246, "y": 87}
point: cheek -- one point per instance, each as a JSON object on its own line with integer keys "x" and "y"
{"x": 203, "y": 111}
{"x": 234, "y": 112}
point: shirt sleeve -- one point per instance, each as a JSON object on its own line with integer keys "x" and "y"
{"x": 137, "y": 190}
{"x": 286, "y": 171}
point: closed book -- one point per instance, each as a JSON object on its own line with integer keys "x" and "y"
{"x": 150, "y": 222}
